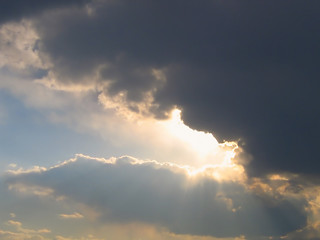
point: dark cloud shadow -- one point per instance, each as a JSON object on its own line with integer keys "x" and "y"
{"x": 15, "y": 10}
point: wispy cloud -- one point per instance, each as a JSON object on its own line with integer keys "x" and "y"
{"x": 75, "y": 215}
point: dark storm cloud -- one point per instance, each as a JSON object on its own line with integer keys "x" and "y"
{"x": 125, "y": 191}
{"x": 15, "y": 10}
{"x": 258, "y": 81}
{"x": 239, "y": 69}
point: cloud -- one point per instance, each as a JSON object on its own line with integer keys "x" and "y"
{"x": 91, "y": 237}
{"x": 74, "y": 215}
{"x": 87, "y": 109}
{"x": 18, "y": 226}
{"x": 15, "y": 223}
{"x": 7, "y": 235}
{"x": 240, "y": 70}
{"x": 19, "y": 9}
{"x": 127, "y": 190}
{"x": 17, "y": 41}
{"x": 237, "y": 70}
{"x": 22, "y": 233}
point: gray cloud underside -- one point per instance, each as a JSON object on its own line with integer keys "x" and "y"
{"x": 126, "y": 191}
{"x": 18, "y": 9}
{"x": 238, "y": 69}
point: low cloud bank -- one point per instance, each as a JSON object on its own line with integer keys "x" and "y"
{"x": 125, "y": 190}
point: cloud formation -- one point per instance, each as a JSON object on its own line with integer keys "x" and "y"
{"x": 241, "y": 70}
{"x": 20, "y": 232}
{"x": 126, "y": 190}
{"x": 18, "y": 9}
{"x": 75, "y": 215}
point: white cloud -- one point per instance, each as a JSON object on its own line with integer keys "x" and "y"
{"x": 74, "y": 215}
{"x": 17, "y": 44}
{"x": 21, "y": 233}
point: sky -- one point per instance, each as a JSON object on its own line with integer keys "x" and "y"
{"x": 159, "y": 120}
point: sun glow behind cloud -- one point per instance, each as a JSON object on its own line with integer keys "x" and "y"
{"x": 203, "y": 143}
{"x": 210, "y": 157}
{"x": 195, "y": 155}
{"x": 170, "y": 140}
{"x": 161, "y": 140}
{"x": 179, "y": 177}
